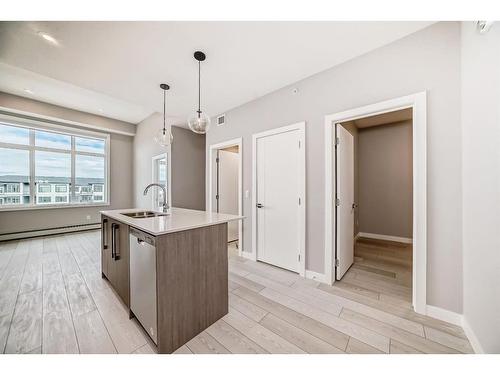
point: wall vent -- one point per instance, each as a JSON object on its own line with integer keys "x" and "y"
{"x": 221, "y": 120}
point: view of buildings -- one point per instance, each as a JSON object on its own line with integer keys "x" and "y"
{"x": 15, "y": 190}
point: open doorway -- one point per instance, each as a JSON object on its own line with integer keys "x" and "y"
{"x": 375, "y": 178}
{"x": 374, "y": 212}
{"x": 225, "y": 184}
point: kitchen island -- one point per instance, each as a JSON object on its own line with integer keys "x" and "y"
{"x": 170, "y": 270}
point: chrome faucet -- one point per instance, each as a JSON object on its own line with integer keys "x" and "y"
{"x": 165, "y": 204}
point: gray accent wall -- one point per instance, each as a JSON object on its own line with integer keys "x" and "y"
{"x": 188, "y": 164}
{"x": 481, "y": 185}
{"x": 385, "y": 180}
{"x": 121, "y": 148}
{"x": 428, "y": 60}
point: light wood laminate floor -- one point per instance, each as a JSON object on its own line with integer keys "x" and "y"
{"x": 53, "y": 300}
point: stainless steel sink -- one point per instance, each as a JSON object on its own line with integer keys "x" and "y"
{"x": 143, "y": 214}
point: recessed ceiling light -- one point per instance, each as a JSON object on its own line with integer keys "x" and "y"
{"x": 28, "y": 91}
{"x": 49, "y": 38}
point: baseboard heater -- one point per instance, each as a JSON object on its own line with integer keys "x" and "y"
{"x": 46, "y": 232}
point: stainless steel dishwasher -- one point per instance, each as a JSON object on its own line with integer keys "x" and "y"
{"x": 143, "y": 280}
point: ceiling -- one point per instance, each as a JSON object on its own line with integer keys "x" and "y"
{"x": 114, "y": 68}
{"x": 384, "y": 118}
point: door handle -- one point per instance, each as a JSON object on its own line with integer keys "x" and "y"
{"x": 114, "y": 254}
{"x": 259, "y": 205}
{"x": 104, "y": 233}
{"x": 354, "y": 205}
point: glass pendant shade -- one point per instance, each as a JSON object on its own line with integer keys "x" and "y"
{"x": 164, "y": 137}
{"x": 199, "y": 123}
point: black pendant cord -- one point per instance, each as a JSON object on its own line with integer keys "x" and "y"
{"x": 164, "y": 110}
{"x": 199, "y": 89}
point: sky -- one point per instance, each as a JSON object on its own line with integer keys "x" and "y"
{"x": 16, "y": 162}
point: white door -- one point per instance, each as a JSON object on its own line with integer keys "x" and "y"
{"x": 345, "y": 196}
{"x": 227, "y": 192}
{"x": 278, "y": 180}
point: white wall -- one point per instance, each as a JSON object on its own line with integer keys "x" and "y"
{"x": 427, "y": 60}
{"x": 481, "y": 184}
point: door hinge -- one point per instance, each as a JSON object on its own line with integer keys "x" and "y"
{"x": 217, "y": 196}
{"x": 217, "y": 160}
{"x": 336, "y": 263}
{"x": 300, "y": 202}
{"x": 337, "y": 202}
{"x": 299, "y": 257}
{"x": 299, "y": 143}
{"x": 337, "y": 141}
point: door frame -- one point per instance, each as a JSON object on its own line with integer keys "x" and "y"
{"x": 418, "y": 103}
{"x": 211, "y": 155}
{"x": 301, "y": 127}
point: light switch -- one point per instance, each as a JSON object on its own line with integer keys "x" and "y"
{"x": 247, "y": 194}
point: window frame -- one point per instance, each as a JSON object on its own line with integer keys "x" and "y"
{"x": 34, "y": 124}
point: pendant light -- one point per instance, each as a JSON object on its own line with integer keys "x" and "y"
{"x": 200, "y": 122}
{"x": 164, "y": 136}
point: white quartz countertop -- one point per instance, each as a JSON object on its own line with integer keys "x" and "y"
{"x": 178, "y": 220}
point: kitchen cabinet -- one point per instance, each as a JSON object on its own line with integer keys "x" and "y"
{"x": 170, "y": 270}
{"x": 115, "y": 256}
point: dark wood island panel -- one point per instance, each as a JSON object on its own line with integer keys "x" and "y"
{"x": 192, "y": 283}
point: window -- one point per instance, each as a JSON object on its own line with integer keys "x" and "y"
{"x": 13, "y": 188}
{"x": 11, "y": 200}
{"x": 52, "y": 140}
{"x": 85, "y": 189}
{"x": 44, "y": 188}
{"x": 95, "y": 146}
{"x": 44, "y": 200}
{"x": 51, "y": 168}
{"x": 160, "y": 176}
{"x": 61, "y": 188}
{"x": 89, "y": 170}
{"x": 14, "y": 134}
{"x": 48, "y": 164}
{"x": 14, "y": 169}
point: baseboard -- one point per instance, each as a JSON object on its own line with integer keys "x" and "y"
{"x": 316, "y": 276}
{"x": 478, "y": 349}
{"x": 384, "y": 237}
{"x": 247, "y": 255}
{"x": 46, "y": 232}
{"x": 445, "y": 315}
